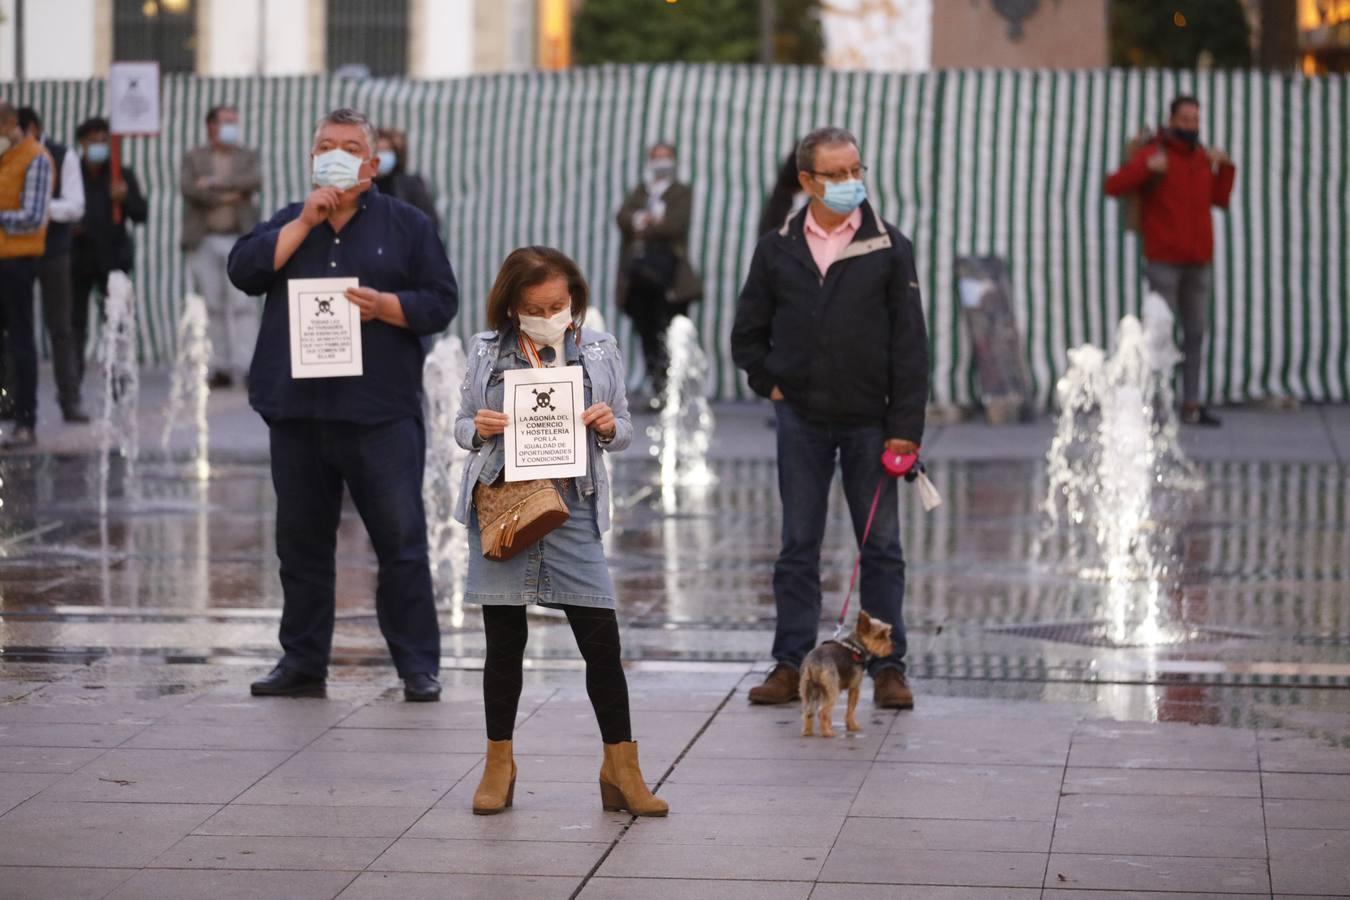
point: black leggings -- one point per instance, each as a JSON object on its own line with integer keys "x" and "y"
{"x": 597, "y": 635}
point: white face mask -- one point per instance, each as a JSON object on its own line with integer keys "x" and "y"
{"x": 547, "y": 330}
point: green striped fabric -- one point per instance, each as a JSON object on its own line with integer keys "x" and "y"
{"x": 1001, "y": 162}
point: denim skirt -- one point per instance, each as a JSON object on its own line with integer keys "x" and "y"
{"x": 564, "y": 568}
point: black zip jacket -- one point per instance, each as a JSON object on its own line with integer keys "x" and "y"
{"x": 849, "y": 348}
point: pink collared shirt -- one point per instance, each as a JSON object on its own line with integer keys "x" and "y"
{"x": 827, "y": 245}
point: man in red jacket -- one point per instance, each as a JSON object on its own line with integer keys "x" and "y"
{"x": 1178, "y": 180}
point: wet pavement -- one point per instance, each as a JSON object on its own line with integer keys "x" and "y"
{"x": 1052, "y": 751}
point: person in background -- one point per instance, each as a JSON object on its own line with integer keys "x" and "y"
{"x": 786, "y": 199}
{"x": 656, "y": 280}
{"x": 25, "y": 196}
{"x": 830, "y": 327}
{"x": 219, "y": 180}
{"x": 1179, "y": 181}
{"x": 101, "y": 243}
{"x": 53, "y": 270}
{"x": 394, "y": 179}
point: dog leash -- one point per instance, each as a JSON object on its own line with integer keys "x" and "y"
{"x": 895, "y": 466}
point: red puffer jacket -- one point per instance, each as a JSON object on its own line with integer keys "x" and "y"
{"x": 1174, "y": 215}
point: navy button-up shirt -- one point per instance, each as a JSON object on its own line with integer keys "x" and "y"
{"x": 389, "y": 246}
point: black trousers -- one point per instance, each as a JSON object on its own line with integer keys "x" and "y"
{"x": 381, "y": 467}
{"x": 16, "y": 307}
{"x": 597, "y": 635}
{"x": 54, "y": 277}
{"x": 651, "y": 313}
{"x": 84, "y": 280}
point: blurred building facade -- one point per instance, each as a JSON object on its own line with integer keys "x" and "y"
{"x": 1324, "y": 35}
{"x": 917, "y": 35}
{"x": 78, "y": 39}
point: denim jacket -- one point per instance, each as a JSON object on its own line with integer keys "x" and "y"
{"x": 489, "y": 358}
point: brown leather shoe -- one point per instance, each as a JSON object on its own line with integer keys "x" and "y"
{"x": 890, "y": 690}
{"x": 779, "y": 687}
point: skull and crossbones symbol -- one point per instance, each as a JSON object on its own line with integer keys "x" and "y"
{"x": 542, "y": 399}
{"x": 325, "y": 307}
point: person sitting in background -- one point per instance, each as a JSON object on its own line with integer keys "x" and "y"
{"x": 102, "y": 243}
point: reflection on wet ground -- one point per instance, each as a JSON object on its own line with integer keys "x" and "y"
{"x": 1258, "y": 588}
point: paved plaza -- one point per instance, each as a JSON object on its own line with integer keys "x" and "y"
{"x": 1049, "y": 755}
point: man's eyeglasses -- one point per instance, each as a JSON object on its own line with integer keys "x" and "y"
{"x": 856, "y": 173}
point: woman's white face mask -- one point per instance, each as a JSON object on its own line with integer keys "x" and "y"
{"x": 547, "y": 330}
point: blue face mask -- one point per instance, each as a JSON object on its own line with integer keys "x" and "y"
{"x": 229, "y": 133}
{"x": 846, "y": 196}
{"x": 388, "y": 159}
{"x": 338, "y": 169}
{"x": 96, "y": 153}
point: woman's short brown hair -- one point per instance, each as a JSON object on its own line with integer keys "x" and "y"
{"x": 529, "y": 267}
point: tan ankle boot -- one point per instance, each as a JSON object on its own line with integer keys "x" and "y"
{"x": 497, "y": 788}
{"x": 622, "y": 785}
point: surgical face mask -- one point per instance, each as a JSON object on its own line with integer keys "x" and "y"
{"x": 661, "y": 169}
{"x": 388, "y": 159}
{"x": 96, "y": 153}
{"x": 337, "y": 169}
{"x": 229, "y": 133}
{"x": 547, "y": 330}
{"x": 846, "y": 196}
{"x": 5, "y": 144}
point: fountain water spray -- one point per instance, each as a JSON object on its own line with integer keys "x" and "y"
{"x": 683, "y": 431}
{"x": 444, "y": 371}
{"x": 189, "y": 389}
{"x": 118, "y": 421}
{"x": 1115, "y": 462}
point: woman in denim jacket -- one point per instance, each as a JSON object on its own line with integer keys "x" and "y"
{"x": 536, "y": 307}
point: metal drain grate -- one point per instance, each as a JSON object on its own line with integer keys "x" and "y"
{"x": 1099, "y": 633}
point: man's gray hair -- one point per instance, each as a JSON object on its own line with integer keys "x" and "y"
{"x": 821, "y": 137}
{"x": 345, "y": 115}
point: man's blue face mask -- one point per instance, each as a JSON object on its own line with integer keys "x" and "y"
{"x": 337, "y": 169}
{"x": 846, "y": 196}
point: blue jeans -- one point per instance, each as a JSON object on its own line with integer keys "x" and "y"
{"x": 807, "y": 454}
{"x": 381, "y": 466}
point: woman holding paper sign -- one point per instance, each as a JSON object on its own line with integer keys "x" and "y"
{"x": 535, "y": 309}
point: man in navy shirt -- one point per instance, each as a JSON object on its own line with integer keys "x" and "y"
{"x": 365, "y": 431}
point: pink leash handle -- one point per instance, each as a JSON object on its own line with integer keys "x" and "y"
{"x": 853, "y": 581}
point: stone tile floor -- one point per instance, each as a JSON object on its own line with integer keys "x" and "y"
{"x": 1041, "y": 762}
{"x": 119, "y": 783}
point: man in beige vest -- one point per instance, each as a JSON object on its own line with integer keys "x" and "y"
{"x": 25, "y": 198}
{"x": 219, "y": 181}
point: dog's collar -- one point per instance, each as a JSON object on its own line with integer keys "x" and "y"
{"x": 859, "y": 652}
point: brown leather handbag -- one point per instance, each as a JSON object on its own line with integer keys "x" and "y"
{"x": 512, "y": 515}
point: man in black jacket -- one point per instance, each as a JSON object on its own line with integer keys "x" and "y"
{"x": 830, "y": 327}
{"x": 102, "y": 243}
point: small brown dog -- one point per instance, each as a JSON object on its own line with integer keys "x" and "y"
{"x": 839, "y": 664}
